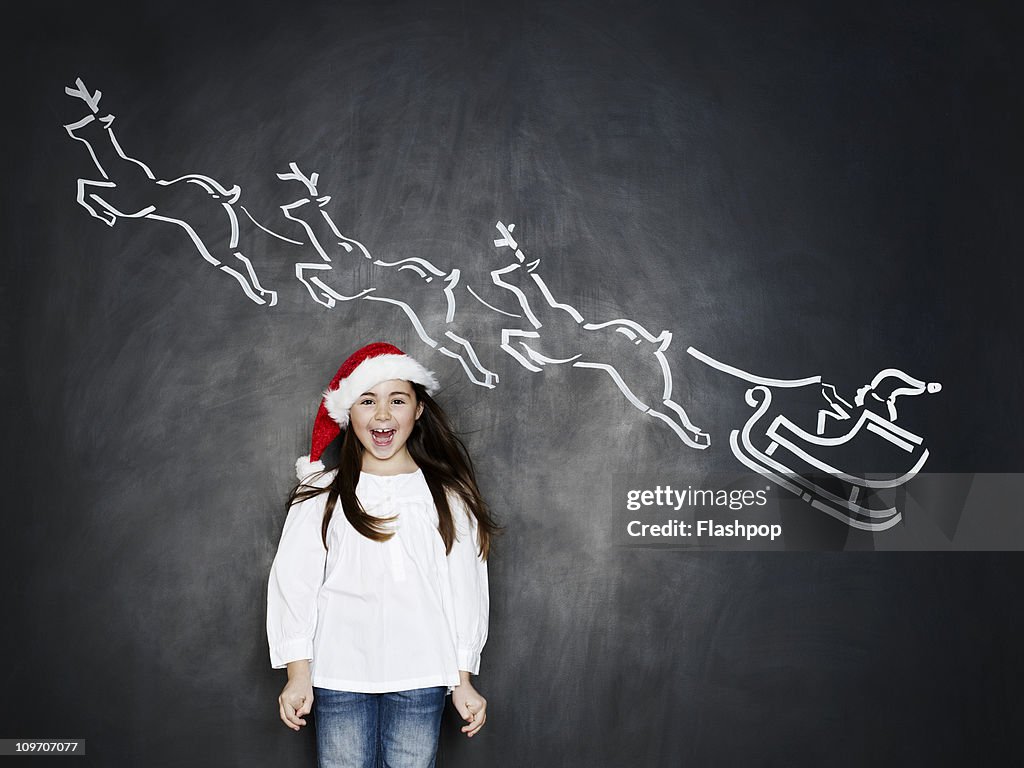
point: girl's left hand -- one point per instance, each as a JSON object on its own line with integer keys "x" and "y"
{"x": 471, "y": 706}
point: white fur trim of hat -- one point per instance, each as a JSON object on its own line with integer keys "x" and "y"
{"x": 369, "y": 374}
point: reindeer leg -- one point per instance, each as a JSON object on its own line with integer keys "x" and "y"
{"x": 328, "y": 297}
{"x": 698, "y": 438}
{"x": 411, "y": 314}
{"x": 107, "y": 215}
{"x": 506, "y": 337}
{"x": 489, "y": 379}
{"x": 300, "y": 275}
{"x": 254, "y": 281}
{"x": 243, "y": 281}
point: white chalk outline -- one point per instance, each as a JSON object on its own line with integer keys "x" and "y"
{"x": 526, "y": 345}
{"x": 812, "y": 493}
{"x": 839, "y": 409}
{"x": 514, "y": 344}
{"x": 107, "y": 212}
{"x": 450, "y": 280}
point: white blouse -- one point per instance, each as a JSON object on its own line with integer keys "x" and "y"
{"x": 378, "y": 616}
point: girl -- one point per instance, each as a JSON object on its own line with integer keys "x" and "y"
{"x": 379, "y": 612}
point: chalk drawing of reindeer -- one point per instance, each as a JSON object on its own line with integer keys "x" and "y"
{"x": 128, "y": 189}
{"x": 418, "y": 287}
{"x": 555, "y": 333}
{"x": 441, "y": 292}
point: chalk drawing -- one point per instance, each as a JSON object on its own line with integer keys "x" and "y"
{"x": 773, "y": 445}
{"x": 129, "y": 189}
{"x": 400, "y": 283}
{"x": 522, "y": 319}
{"x": 590, "y": 346}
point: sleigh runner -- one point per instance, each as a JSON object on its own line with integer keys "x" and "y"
{"x": 794, "y": 459}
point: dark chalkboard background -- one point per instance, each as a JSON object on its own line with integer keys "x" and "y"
{"x": 827, "y": 189}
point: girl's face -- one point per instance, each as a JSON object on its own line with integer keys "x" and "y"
{"x": 382, "y": 418}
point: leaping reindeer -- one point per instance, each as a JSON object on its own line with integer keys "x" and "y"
{"x": 401, "y": 283}
{"x": 128, "y": 189}
{"x": 555, "y": 333}
{"x": 620, "y": 348}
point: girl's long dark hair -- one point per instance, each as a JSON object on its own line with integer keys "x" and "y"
{"x": 446, "y": 466}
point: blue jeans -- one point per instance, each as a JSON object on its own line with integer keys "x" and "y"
{"x": 377, "y": 730}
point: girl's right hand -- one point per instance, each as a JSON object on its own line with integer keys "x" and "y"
{"x": 296, "y": 700}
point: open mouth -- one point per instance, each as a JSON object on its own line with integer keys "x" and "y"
{"x": 382, "y": 437}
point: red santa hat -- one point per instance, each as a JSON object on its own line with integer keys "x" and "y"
{"x": 365, "y": 369}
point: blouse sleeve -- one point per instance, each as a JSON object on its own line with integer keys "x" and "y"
{"x": 468, "y": 574}
{"x": 295, "y": 580}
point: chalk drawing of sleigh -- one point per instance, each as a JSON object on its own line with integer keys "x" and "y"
{"x": 866, "y": 506}
{"x": 811, "y": 465}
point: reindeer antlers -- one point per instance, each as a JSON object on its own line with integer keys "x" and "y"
{"x": 297, "y": 175}
{"x": 92, "y": 99}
